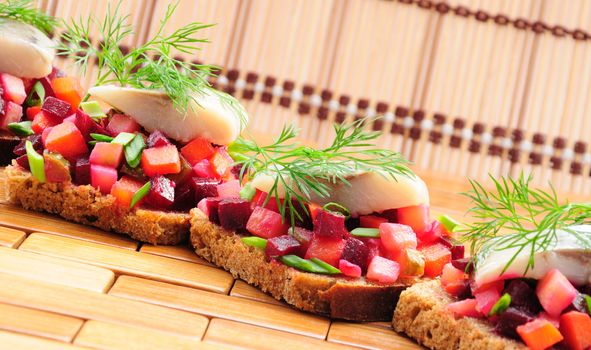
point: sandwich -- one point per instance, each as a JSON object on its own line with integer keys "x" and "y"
{"x": 135, "y": 169}
{"x": 527, "y": 284}
{"x": 338, "y": 232}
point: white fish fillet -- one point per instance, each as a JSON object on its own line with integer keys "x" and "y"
{"x": 566, "y": 255}
{"x": 209, "y": 118}
{"x": 25, "y": 51}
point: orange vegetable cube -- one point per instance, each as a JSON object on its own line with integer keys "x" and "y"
{"x": 197, "y": 150}
{"x": 161, "y": 160}
{"x": 124, "y": 189}
{"x": 436, "y": 256}
{"x": 576, "y": 328}
{"x": 539, "y": 334}
{"x": 67, "y": 140}
{"x": 67, "y": 89}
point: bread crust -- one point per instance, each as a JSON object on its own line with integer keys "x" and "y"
{"x": 421, "y": 314}
{"x": 87, "y": 205}
{"x": 336, "y": 297}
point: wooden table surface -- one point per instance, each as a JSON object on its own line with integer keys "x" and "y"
{"x": 64, "y": 285}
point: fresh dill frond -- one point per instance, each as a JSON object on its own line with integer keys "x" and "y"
{"x": 519, "y": 218}
{"x": 302, "y": 173}
{"x": 24, "y": 11}
{"x": 150, "y": 65}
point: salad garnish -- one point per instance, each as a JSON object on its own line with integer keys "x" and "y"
{"x": 24, "y": 11}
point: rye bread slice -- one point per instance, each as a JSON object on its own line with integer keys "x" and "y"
{"x": 421, "y": 314}
{"x": 87, "y": 205}
{"x": 335, "y": 297}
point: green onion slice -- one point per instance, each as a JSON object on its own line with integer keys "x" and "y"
{"x": 331, "y": 270}
{"x": 123, "y": 138}
{"x": 247, "y": 192}
{"x": 36, "y": 162}
{"x": 256, "y": 242}
{"x": 21, "y": 129}
{"x": 448, "y": 222}
{"x": 588, "y": 300}
{"x": 101, "y": 137}
{"x": 139, "y": 194}
{"x": 39, "y": 91}
{"x": 93, "y": 109}
{"x": 365, "y": 232}
{"x": 133, "y": 151}
{"x": 501, "y": 305}
{"x": 302, "y": 264}
{"x": 336, "y": 207}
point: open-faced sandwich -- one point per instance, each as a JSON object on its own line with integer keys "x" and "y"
{"x": 527, "y": 288}
{"x": 339, "y": 231}
{"x": 133, "y": 169}
{"x": 26, "y": 71}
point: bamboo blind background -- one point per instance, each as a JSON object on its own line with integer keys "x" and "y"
{"x": 466, "y": 87}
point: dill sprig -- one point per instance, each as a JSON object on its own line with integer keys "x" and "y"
{"x": 24, "y": 11}
{"x": 147, "y": 66}
{"x": 519, "y": 218}
{"x": 302, "y": 173}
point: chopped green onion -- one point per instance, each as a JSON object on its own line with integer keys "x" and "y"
{"x": 331, "y": 270}
{"x": 93, "y": 109}
{"x": 448, "y": 222}
{"x": 302, "y": 264}
{"x": 38, "y": 90}
{"x": 247, "y": 192}
{"x": 256, "y": 242}
{"x": 21, "y": 129}
{"x": 101, "y": 137}
{"x": 36, "y": 162}
{"x": 133, "y": 151}
{"x": 365, "y": 232}
{"x": 501, "y": 305}
{"x": 139, "y": 194}
{"x": 336, "y": 207}
{"x": 588, "y": 300}
{"x": 123, "y": 138}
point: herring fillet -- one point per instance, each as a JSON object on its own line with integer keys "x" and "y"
{"x": 25, "y": 51}
{"x": 209, "y": 118}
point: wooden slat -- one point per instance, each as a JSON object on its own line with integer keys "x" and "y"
{"x": 104, "y": 335}
{"x": 244, "y": 290}
{"x": 181, "y": 252}
{"x": 54, "y": 270}
{"x": 38, "y": 323}
{"x": 11, "y": 238}
{"x": 10, "y": 340}
{"x": 368, "y": 337}
{"x": 249, "y": 336}
{"x": 29, "y": 221}
{"x": 221, "y": 306}
{"x": 98, "y": 306}
{"x": 130, "y": 262}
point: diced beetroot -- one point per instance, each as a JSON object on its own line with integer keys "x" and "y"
{"x": 266, "y": 223}
{"x": 161, "y": 193}
{"x": 82, "y": 171}
{"x": 23, "y": 161}
{"x": 66, "y": 140}
{"x": 330, "y": 225}
{"x": 20, "y": 150}
{"x": 498, "y": 285}
{"x": 432, "y": 234}
{"x": 13, "y": 113}
{"x": 464, "y": 308}
{"x": 383, "y": 270}
{"x": 555, "y": 292}
{"x": 416, "y": 217}
{"x": 161, "y": 160}
{"x": 523, "y": 296}
{"x": 107, "y": 154}
{"x": 197, "y": 150}
{"x": 234, "y": 213}
{"x": 45, "y": 81}
{"x": 103, "y": 177}
{"x": 374, "y": 246}
{"x": 356, "y": 252}
{"x": 436, "y": 256}
{"x": 221, "y": 162}
{"x": 124, "y": 189}
{"x": 457, "y": 249}
{"x": 281, "y": 245}
{"x": 259, "y": 201}
{"x": 184, "y": 197}
{"x": 13, "y": 87}
{"x": 210, "y": 206}
{"x": 71, "y": 119}
{"x": 204, "y": 170}
{"x": 87, "y": 126}
{"x": 326, "y": 249}
{"x": 122, "y": 123}
{"x": 391, "y": 215}
{"x": 57, "y": 169}
{"x": 230, "y": 189}
{"x": 303, "y": 236}
{"x": 55, "y": 109}
{"x": 371, "y": 221}
{"x": 397, "y": 237}
{"x": 349, "y": 269}
{"x": 510, "y": 319}
{"x": 204, "y": 188}
{"x": 486, "y": 299}
{"x": 463, "y": 264}
{"x": 157, "y": 139}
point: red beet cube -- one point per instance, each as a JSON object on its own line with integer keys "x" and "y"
{"x": 234, "y": 213}
{"x": 87, "y": 126}
{"x": 157, "y": 139}
{"x": 184, "y": 197}
{"x": 204, "y": 188}
{"x": 356, "y": 252}
{"x": 330, "y": 225}
{"x": 210, "y": 206}
{"x": 161, "y": 193}
{"x": 266, "y": 223}
{"x": 328, "y": 250}
{"x": 82, "y": 171}
{"x": 302, "y": 235}
{"x": 204, "y": 170}
{"x": 23, "y": 161}
{"x": 281, "y": 245}
{"x": 20, "y": 150}
{"x": 56, "y": 109}
{"x": 391, "y": 215}
{"x": 122, "y": 123}
{"x": 259, "y": 201}
{"x": 456, "y": 249}
{"x": 374, "y": 248}
{"x": 12, "y": 114}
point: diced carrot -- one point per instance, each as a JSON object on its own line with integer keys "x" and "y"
{"x": 66, "y": 140}
{"x": 436, "y": 256}
{"x": 124, "y": 189}
{"x": 161, "y": 160}
{"x": 539, "y": 334}
{"x": 67, "y": 89}
{"x": 196, "y": 150}
{"x": 32, "y": 112}
{"x": 576, "y": 328}
{"x": 40, "y": 123}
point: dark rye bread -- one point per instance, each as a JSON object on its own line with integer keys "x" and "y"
{"x": 86, "y": 205}
{"x": 421, "y": 314}
{"x": 336, "y": 297}
{"x": 7, "y": 144}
